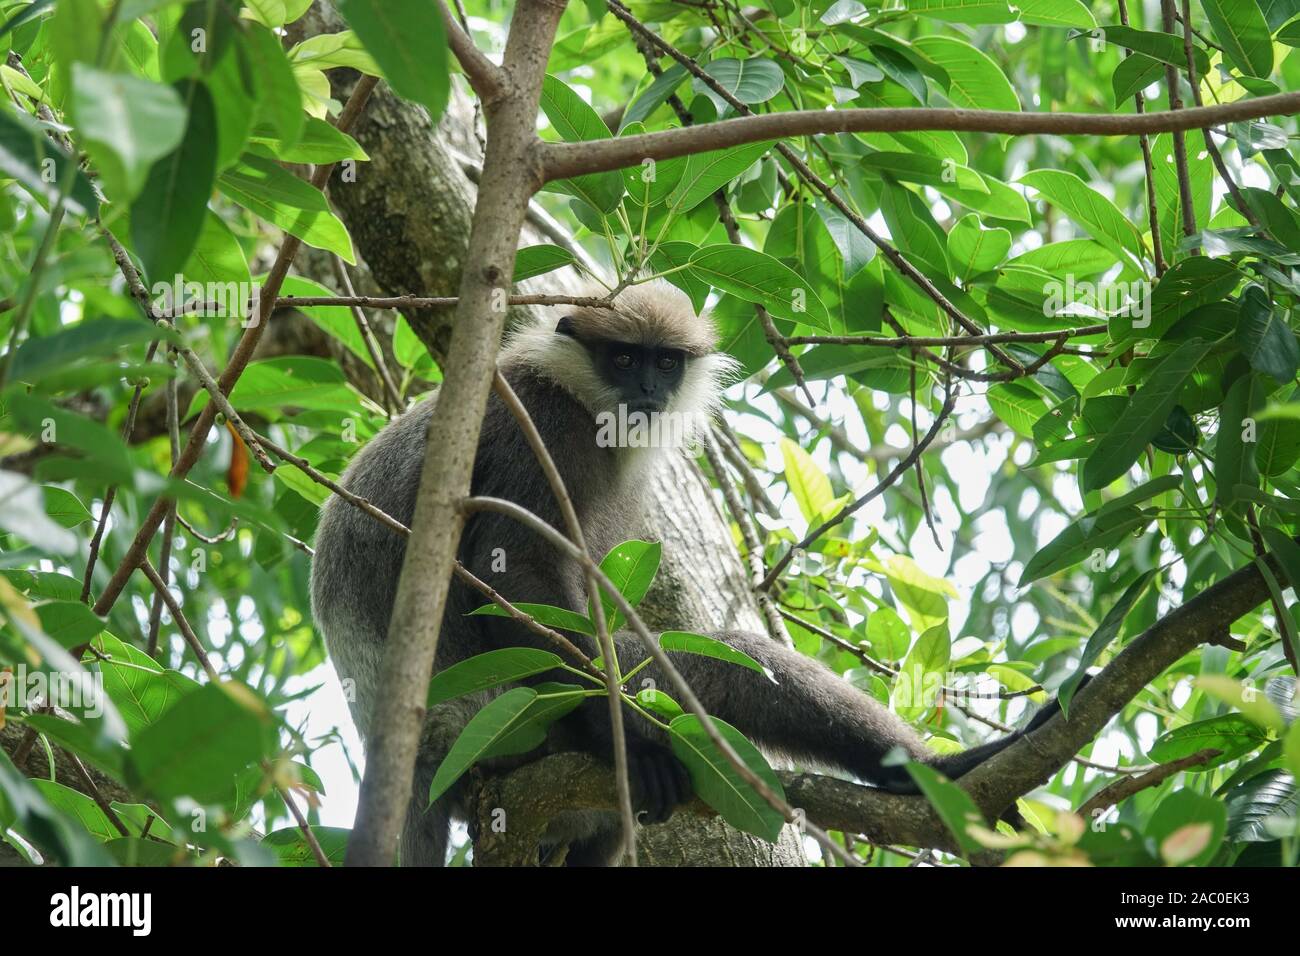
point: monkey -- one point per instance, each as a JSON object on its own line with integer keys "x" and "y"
{"x": 575, "y": 369}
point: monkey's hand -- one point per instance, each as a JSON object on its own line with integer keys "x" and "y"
{"x": 658, "y": 779}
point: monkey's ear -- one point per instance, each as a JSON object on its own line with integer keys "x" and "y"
{"x": 565, "y": 327}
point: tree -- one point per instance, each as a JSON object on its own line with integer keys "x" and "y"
{"x": 889, "y": 243}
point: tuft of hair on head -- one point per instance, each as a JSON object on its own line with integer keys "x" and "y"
{"x": 654, "y": 313}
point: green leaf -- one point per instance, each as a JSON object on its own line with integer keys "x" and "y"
{"x": 142, "y": 690}
{"x": 887, "y": 634}
{"x": 126, "y": 124}
{"x": 487, "y": 670}
{"x": 924, "y": 596}
{"x": 913, "y": 228}
{"x": 319, "y": 142}
{"x": 1233, "y": 734}
{"x": 25, "y": 155}
{"x": 1241, "y": 29}
{"x": 538, "y": 260}
{"x": 631, "y": 567}
{"x": 964, "y": 11}
{"x": 1081, "y": 538}
{"x": 755, "y": 277}
{"x": 1188, "y": 827}
{"x": 72, "y": 431}
{"x": 71, "y": 623}
{"x": 1232, "y": 465}
{"x": 65, "y": 507}
{"x": 168, "y": 216}
{"x": 1234, "y": 693}
{"x": 91, "y": 338}
{"x": 218, "y": 259}
{"x": 1056, "y": 13}
{"x": 80, "y": 807}
{"x": 294, "y": 381}
{"x": 282, "y": 199}
{"x": 1101, "y": 217}
{"x": 1265, "y": 337}
{"x": 687, "y": 643}
{"x": 923, "y": 668}
{"x": 408, "y": 41}
{"x": 975, "y": 80}
{"x": 279, "y": 100}
{"x": 56, "y": 834}
{"x": 1102, "y": 637}
{"x": 335, "y": 320}
{"x": 672, "y": 255}
{"x": 751, "y": 81}
{"x": 717, "y": 782}
{"x": 975, "y": 248}
{"x": 1143, "y": 417}
{"x": 657, "y": 702}
{"x": 577, "y": 122}
{"x": 953, "y": 804}
{"x": 705, "y": 173}
{"x": 552, "y": 702}
{"x": 199, "y": 746}
{"x": 1017, "y": 405}
{"x": 808, "y": 484}
{"x": 654, "y": 96}
{"x": 291, "y": 848}
{"x": 1278, "y": 447}
{"x": 486, "y": 728}
{"x": 1135, "y": 73}
{"x": 1164, "y": 47}
{"x": 559, "y": 618}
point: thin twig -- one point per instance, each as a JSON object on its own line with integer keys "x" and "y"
{"x": 179, "y": 619}
{"x": 612, "y": 667}
{"x": 1125, "y": 787}
{"x": 753, "y": 546}
{"x": 341, "y": 276}
{"x": 1180, "y": 147}
{"x": 169, "y": 522}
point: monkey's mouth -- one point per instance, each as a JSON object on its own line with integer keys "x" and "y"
{"x": 645, "y": 406}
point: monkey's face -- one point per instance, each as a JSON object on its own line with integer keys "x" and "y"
{"x": 643, "y": 378}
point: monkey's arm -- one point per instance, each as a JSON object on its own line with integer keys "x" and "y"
{"x": 807, "y": 712}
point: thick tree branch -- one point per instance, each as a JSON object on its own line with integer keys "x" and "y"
{"x": 1026, "y": 764}
{"x": 565, "y": 160}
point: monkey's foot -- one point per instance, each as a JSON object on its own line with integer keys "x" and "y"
{"x": 658, "y": 779}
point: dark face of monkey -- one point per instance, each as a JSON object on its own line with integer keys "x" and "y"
{"x": 643, "y": 376}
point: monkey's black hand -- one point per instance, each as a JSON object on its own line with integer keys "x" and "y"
{"x": 659, "y": 782}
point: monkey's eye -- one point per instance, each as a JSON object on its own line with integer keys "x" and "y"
{"x": 624, "y": 360}
{"x": 666, "y": 363}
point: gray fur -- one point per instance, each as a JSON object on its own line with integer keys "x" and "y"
{"x": 809, "y": 713}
